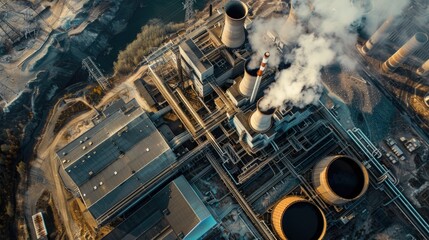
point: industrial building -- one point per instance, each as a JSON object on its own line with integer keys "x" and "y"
{"x": 295, "y": 173}
{"x": 175, "y": 212}
{"x": 112, "y": 162}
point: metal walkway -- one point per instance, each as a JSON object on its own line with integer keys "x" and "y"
{"x": 95, "y": 73}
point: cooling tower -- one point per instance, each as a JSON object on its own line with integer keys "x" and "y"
{"x": 292, "y": 18}
{"x": 424, "y": 69}
{"x": 233, "y": 35}
{"x": 261, "y": 120}
{"x": 378, "y": 35}
{"x": 340, "y": 179}
{"x": 416, "y": 42}
{"x": 248, "y": 82}
{"x": 300, "y": 11}
{"x": 295, "y": 218}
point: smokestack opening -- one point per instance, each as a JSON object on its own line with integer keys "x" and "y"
{"x": 266, "y": 111}
{"x": 236, "y": 10}
{"x": 421, "y": 37}
{"x": 346, "y": 177}
{"x": 252, "y": 71}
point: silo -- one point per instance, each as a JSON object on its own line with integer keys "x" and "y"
{"x": 295, "y": 218}
{"x": 233, "y": 35}
{"x": 261, "y": 119}
{"x": 424, "y": 69}
{"x": 340, "y": 179}
{"x": 248, "y": 82}
{"x": 414, "y": 44}
{"x": 378, "y": 35}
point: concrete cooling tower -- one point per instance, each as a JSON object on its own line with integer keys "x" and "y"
{"x": 340, "y": 179}
{"x": 295, "y": 218}
{"x": 261, "y": 120}
{"x": 248, "y": 82}
{"x": 233, "y": 35}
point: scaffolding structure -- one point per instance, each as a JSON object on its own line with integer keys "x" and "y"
{"x": 95, "y": 73}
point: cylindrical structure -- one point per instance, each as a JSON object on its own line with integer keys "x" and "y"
{"x": 300, "y": 11}
{"x": 259, "y": 76}
{"x": 233, "y": 35}
{"x": 294, "y": 217}
{"x": 340, "y": 179}
{"x": 378, "y": 35}
{"x": 261, "y": 120}
{"x": 263, "y": 63}
{"x": 424, "y": 69}
{"x": 292, "y": 19}
{"x": 415, "y": 43}
{"x": 248, "y": 82}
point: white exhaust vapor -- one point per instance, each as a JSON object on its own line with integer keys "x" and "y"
{"x": 323, "y": 41}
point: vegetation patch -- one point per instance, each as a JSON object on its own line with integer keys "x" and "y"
{"x": 9, "y": 147}
{"x": 151, "y": 36}
{"x": 69, "y": 113}
{"x": 94, "y": 94}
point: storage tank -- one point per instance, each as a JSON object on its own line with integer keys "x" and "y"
{"x": 295, "y": 218}
{"x": 340, "y": 179}
{"x": 423, "y": 70}
{"x": 414, "y": 44}
{"x": 248, "y": 82}
{"x": 233, "y": 35}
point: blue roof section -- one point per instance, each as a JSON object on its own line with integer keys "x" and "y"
{"x": 201, "y": 229}
{"x": 175, "y": 210}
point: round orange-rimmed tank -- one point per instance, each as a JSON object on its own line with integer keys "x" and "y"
{"x": 295, "y": 218}
{"x": 340, "y": 179}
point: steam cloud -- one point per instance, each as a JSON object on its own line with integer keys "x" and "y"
{"x": 322, "y": 37}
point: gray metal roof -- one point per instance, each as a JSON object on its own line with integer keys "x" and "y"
{"x": 113, "y": 107}
{"x": 186, "y": 214}
{"x": 88, "y": 142}
{"x": 127, "y": 151}
{"x": 195, "y": 55}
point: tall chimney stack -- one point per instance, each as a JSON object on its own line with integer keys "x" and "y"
{"x": 261, "y": 120}
{"x": 248, "y": 82}
{"x": 424, "y": 69}
{"x": 378, "y": 35}
{"x": 233, "y": 35}
{"x": 259, "y": 76}
{"x": 415, "y": 43}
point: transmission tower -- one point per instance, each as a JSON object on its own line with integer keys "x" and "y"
{"x": 188, "y": 6}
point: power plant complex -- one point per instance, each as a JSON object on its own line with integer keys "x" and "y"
{"x": 211, "y": 157}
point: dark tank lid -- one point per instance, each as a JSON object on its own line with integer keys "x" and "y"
{"x": 346, "y": 177}
{"x": 251, "y": 71}
{"x": 236, "y": 9}
{"x": 303, "y": 221}
{"x": 267, "y": 111}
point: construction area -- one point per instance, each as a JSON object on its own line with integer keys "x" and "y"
{"x": 190, "y": 150}
{"x": 32, "y": 36}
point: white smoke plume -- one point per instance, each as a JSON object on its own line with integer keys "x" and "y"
{"x": 300, "y": 83}
{"x": 318, "y": 41}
